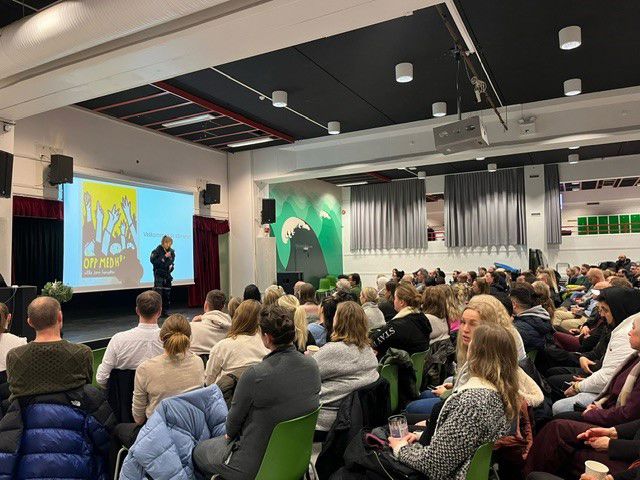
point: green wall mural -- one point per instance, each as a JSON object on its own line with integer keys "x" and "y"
{"x": 308, "y": 229}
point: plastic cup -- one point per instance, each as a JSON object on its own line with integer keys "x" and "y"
{"x": 398, "y": 426}
{"x": 311, "y": 349}
{"x": 596, "y": 469}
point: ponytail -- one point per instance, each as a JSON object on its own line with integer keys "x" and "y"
{"x": 175, "y": 335}
{"x": 409, "y": 295}
{"x": 302, "y": 332}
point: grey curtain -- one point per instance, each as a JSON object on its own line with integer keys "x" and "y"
{"x": 552, "y": 212}
{"x": 485, "y": 209}
{"x": 389, "y": 215}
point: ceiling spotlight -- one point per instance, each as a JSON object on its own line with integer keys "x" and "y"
{"x": 573, "y": 86}
{"x": 492, "y": 167}
{"x": 333, "y": 128}
{"x": 279, "y": 98}
{"x": 574, "y": 147}
{"x": 413, "y": 168}
{"x": 422, "y": 174}
{"x": 439, "y": 109}
{"x": 570, "y": 37}
{"x": 574, "y": 158}
{"x": 480, "y": 158}
{"x": 404, "y": 72}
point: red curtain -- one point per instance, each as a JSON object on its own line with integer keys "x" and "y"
{"x": 38, "y": 208}
{"x": 206, "y": 257}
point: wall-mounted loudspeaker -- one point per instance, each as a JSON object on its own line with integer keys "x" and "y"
{"x": 6, "y": 172}
{"x": 61, "y": 170}
{"x": 268, "y": 210}
{"x": 211, "y": 194}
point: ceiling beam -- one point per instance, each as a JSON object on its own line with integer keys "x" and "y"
{"x": 129, "y": 102}
{"x": 223, "y": 111}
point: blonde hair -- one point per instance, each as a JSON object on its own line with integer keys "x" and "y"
{"x": 350, "y": 325}
{"x": 245, "y": 320}
{"x": 175, "y": 335}
{"x": 407, "y": 293}
{"x": 233, "y": 305}
{"x": 299, "y": 319}
{"x": 493, "y": 357}
{"x": 453, "y": 307}
{"x": 271, "y": 296}
{"x": 492, "y": 312}
{"x": 369, "y": 294}
{"x": 462, "y": 293}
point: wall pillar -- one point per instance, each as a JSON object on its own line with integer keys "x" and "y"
{"x": 535, "y": 218}
{"x": 6, "y": 214}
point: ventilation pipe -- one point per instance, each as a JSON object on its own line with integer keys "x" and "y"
{"x": 73, "y": 26}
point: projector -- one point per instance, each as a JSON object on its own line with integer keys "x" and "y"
{"x": 467, "y": 134}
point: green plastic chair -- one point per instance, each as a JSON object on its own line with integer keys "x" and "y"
{"x": 390, "y": 374}
{"x": 532, "y": 354}
{"x": 418, "y": 359}
{"x": 481, "y": 463}
{"x": 332, "y": 279}
{"x": 289, "y": 450}
{"x": 324, "y": 287}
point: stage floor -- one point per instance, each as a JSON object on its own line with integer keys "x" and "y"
{"x": 96, "y": 328}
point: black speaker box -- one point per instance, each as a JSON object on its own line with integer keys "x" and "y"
{"x": 211, "y": 194}
{"x": 6, "y": 173}
{"x": 268, "y": 210}
{"x": 287, "y": 280}
{"x": 61, "y": 170}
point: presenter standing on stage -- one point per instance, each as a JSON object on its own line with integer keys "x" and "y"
{"x": 163, "y": 258}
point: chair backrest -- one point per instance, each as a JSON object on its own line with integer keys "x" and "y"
{"x": 390, "y": 373}
{"x": 120, "y": 394}
{"x": 332, "y": 280}
{"x": 289, "y": 449}
{"x": 418, "y": 366}
{"x": 325, "y": 284}
{"x": 532, "y": 354}
{"x": 481, "y": 463}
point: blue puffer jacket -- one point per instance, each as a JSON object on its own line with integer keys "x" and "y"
{"x": 165, "y": 443}
{"x": 62, "y": 436}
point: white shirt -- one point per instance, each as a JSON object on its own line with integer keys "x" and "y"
{"x": 128, "y": 349}
{"x": 7, "y": 342}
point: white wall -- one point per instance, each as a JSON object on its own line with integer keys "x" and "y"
{"x": 106, "y": 148}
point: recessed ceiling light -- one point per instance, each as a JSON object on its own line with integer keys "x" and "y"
{"x": 279, "y": 98}
{"x": 570, "y": 37}
{"x": 492, "y": 167}
{"x": 422, "y": 174}
{"x": 253, "y": 141}
{"x": 188, "y": 121}
{"x": 480, "y": 158}
{"x": 572, "y": 87}
{"x": 333, "y": 128}
{"x": 573, "y": 158}
{"x": 413, "y": 168}
{"x": 574, "y": 147}
{"x": 351, "y": 184}
{"x": 439, "y": 109}
{"x": 404, "y": 72}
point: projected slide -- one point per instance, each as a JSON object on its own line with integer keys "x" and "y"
{"x": 110, "y": 229}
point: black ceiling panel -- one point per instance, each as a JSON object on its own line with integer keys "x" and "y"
{"x": 127, "y": 95}
{"x": 11, "y": 11}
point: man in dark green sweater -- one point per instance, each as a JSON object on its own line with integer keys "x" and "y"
{"x": 49, "y": 364}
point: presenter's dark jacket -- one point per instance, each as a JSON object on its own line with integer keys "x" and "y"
{"x": 162, "y": 266}
{"x": 409, "y": 330}
{"x": 285, "y": 385}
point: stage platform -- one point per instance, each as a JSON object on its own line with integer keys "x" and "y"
{"x": 95, "y": 328}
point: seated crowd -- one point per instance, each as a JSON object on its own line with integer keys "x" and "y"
{"x": 504, "y": 353}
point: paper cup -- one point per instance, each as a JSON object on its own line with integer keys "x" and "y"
{"x": 596, "y": 469}
{"x": 311, "y": 349}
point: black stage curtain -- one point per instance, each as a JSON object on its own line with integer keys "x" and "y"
{"x": 37, "y": 243}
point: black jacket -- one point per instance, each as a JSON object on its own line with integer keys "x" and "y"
{"x": 387, "y": 309}
{"x": 162, "y": 266}
{"x": 534, "y": 327}
{"x": 410, "y": 333}
{"x": 626, "y": 264}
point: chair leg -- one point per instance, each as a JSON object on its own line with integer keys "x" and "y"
{"x": 313, "y": 471}
{"x": 118, "y": 464}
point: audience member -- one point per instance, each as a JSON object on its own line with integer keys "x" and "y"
{"x": 409, "y": 330}
{"x": 620, "y": 281}
{"x": 386, "y": 304}
{"x": 480, "y": 287}
{"x": 126, "y": 350}
{"x": 368, "y": 299}
{"x": 7, "y": 340}
{"x": 212, "y": 326}
{"x": 623, "y": 263}
{"x": 381, "y": 284}
{"x": 251, "y": 292}
{"x": 49, "y": 364}
{"x": 496, "y": 282}
{"x": 434, "y": 307}
{"x": 397, "y": 275}
{"x": 346, "y": 364}
{"x": 296, "y": 288}
{"x": 285, "y": 385}
{"x": 530, "y": 319}
{"x": 421, "y": 279}
{"x": 407, "y": 278}
{"x": 234, "y": 303}
{"x": 242, "y": 346}
{"x": 323, "y": 329}
{"x": 307, "y": 296}
{"x": 356, "y": 284}
{"x": 271, "y": 296}
{"x": 454, "y": 305}
{"x": 343, "y": 291}
{"x": 480, "y": 411}
{"x": 303, "y": 339}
